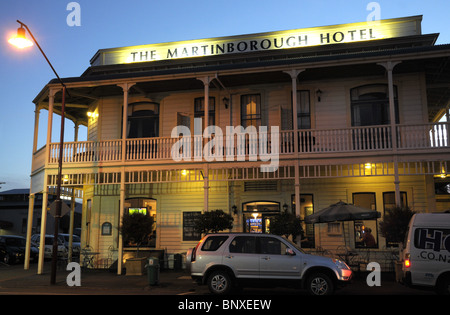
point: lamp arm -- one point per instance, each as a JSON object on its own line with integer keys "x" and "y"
{"x": 45, "y": 56}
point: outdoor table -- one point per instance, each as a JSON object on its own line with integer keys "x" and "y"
{"x": 88, "y": 258}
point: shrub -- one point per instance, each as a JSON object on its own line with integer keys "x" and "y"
{"x": 395, "y": 223}
{"x": 213, "y": 222}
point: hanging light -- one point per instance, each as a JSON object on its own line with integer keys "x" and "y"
{"x": 20, "y": 40}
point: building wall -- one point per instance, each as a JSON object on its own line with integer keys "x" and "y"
{"x": 333, "y": 111}
{"x": 175, "y": 198}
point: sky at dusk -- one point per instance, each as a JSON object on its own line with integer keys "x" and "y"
{"x": 111, "y": 23}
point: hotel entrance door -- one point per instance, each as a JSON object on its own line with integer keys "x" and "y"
{"x": 258, "y": 222}
{"x": 259, "y": 215}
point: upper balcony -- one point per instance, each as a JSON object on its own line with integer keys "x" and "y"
{"x": 312, "y": 144}
{"x": 421, "y": 76}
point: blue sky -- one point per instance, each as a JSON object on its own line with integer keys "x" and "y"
{"x": 111, "y": 23}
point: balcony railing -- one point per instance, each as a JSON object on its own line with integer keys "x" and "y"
{"x": 354, "y": 139}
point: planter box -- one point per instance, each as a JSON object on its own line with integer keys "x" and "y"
{"x": 135, "y": 266}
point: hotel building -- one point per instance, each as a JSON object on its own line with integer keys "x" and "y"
{"x": 356, "y": 112}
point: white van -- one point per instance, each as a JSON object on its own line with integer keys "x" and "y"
{"x": 426, "y": 252}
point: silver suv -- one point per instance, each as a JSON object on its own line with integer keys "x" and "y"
{"x": 225, "y": 261}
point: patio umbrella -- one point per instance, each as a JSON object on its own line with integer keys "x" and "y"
{"x": 342, "y": 211}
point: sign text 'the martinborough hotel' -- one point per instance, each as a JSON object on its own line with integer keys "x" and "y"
{"x": 325, "y": 35}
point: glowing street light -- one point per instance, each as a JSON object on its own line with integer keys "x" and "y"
{"x": 21, "y": 42}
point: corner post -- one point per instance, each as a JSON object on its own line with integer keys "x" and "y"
{"x": 389, "y": 66}
{"x": 126, "y": 87}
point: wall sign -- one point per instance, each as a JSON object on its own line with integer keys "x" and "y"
{"x": 189, "y": 233}
{"x": 325, "y": 35}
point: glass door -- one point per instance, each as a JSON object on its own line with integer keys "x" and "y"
{"x": 258, "y": 215}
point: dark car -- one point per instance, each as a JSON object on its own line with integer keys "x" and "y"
{"x": 12, "y": 249}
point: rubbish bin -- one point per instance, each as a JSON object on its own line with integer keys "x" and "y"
{"x": 153, "y": 271}
{"x": 177, "y": 260}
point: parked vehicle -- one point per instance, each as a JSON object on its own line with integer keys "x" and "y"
{"x": 426, "y": 252}
{"x": 48, "y": 247}
{"x": 224, "y": 261}
{"x": 76, "y": 243}
{"x": 12, "y": 249}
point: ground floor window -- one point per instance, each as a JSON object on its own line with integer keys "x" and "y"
{"x": 189, "y": 233}
{"x": 366, "y": 231}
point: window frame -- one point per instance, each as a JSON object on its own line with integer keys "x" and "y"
{"x": 257, "y": 116}
{"x": 363, "y": 222}
{"x": 376, "y": 88}
{"x": 199, "y": 110}
{"x": 138, "y": 116}
{"x": 300, "y": 114}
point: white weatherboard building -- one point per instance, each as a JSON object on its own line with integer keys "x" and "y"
{"x": 356, "y": 112}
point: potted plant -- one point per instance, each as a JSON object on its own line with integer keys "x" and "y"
{"x": 135, "y": 229}
{"x": 287, "y": 224}
{"x": 394, "y": 227}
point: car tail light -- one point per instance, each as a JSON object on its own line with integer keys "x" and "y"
{"x": 194, "y": 251}
{"x": 407, "y": 261}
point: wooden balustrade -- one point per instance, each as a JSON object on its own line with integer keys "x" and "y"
{"x": 312, "y": 141}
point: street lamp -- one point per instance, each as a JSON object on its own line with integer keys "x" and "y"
{"x": 21, "y": 42}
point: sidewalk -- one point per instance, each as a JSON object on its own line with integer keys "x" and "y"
{"x": 15, "y": 280}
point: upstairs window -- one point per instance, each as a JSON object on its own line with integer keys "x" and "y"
{"x": 143, "y": 120}
{"x": 303, "y": 110}
{"x": 199, "y": 110}
{"x": 251, "y": 110}
{"x": 370, "y": 105}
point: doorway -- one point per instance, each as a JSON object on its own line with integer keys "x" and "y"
{"x": 145, "y": 206}
{"x": 258, "y": 215}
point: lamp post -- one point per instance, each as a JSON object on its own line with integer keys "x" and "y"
{"x": 21, "y": 41}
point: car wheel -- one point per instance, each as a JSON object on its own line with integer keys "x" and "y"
{"x": 320, "y": 284}
{"x": 7, "y": 259}
{"x": 444, "y": 286}
{"x": 219, "y": 282}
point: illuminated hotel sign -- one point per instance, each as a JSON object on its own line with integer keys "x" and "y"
{"x": 325, "y": 35}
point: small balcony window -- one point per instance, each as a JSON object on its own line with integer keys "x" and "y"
{"x": 199, "y": 110}
{"x": 370, "y": 105}
{"x": 143, "y": 120}
{"x": 251, "y": 110}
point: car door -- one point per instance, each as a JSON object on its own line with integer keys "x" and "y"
{"x": 275, "y": 262}
{"x": 242, "y": 257}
